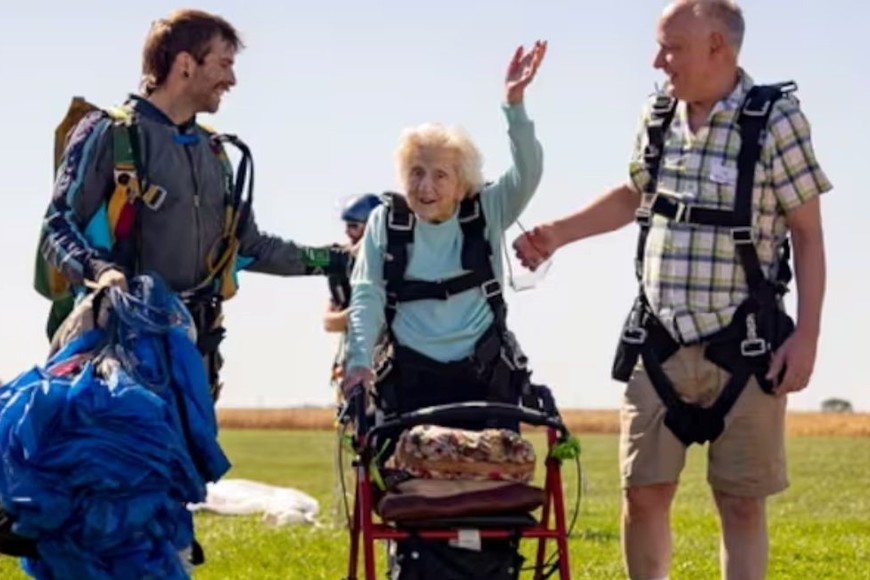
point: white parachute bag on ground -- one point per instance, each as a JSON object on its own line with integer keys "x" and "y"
{"x": 279, "y": 505}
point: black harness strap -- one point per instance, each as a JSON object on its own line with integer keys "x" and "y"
{"x": 497, "y": 359}
{"x": 400, "y": 234}
{"x": 476, "y": 260}
{"x": 752, "y": 120}
{"x": 440, "y": 290}
{"x": 661, "y": 115}
{"x": 744, "y": 347}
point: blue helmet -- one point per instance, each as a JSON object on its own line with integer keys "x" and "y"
{"x": 358, "y": 207}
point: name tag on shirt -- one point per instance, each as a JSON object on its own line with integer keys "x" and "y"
{"x": 721, "y": 174}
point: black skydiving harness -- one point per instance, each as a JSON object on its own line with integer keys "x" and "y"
{"x": 497, "y": 360}
{"x": 759, "y": 326}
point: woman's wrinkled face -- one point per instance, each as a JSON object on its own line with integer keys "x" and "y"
{"x": 433, "y": 186}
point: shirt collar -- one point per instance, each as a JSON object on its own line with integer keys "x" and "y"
{"x": 148, "y": 110}
{"x": 730, "y": 102}
{"x": 735, "y": 98}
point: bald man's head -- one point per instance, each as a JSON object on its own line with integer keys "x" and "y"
{"x": 723, "y": 15}
{"x": 699, "y": 42}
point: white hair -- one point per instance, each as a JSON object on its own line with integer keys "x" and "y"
{"x": 469, "y": 161}
{"x": 725, "y": 13}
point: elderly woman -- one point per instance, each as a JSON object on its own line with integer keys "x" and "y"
{"x": 427, "y": 316}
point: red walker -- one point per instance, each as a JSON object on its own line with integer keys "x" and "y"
{"x": 363, "y": 527}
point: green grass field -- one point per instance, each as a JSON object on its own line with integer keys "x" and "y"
{"x": 820, "y": 527}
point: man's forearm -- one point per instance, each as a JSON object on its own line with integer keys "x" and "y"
{"x": 274, "y": 255}
{"x": 611, "y": 211}
{"x": 810, "y": 277}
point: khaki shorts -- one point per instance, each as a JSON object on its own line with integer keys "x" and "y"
{"x": 747, "y": 459}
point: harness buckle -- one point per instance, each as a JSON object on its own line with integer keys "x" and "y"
{"x": 634, "y": 335}
{"x": 788, "y": 87}
{"x": 473, "y": 215}
{"x": 407, "y": 226}
{"x": 643, "y": 216}
{"x": 511, "y": 353}
{"x": 683, "y": 213}
{"x": 680, "y": 209}
{"x": 154, "y": 197}
{"x": 663, "y": 104}
{"x": 513, "y": 360}
{"x": 752, "y": 111}
{"x": 490, "y": 288}
{"x": 742, "y": 235}
{"x": 651, "y": 153}
{"x": 392, "y": 300}
{"x": 753, "y": 347}
{"x": 749, "y": 111}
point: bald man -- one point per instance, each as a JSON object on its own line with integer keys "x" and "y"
{"x": 723, "y": 182}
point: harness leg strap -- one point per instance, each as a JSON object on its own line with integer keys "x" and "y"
{"x": 692, "y": 423}
{"x": 208, "y": 319}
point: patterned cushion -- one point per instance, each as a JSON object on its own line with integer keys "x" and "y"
{"x": 434, "y": 452}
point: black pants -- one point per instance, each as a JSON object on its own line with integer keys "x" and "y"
{"x": 207, "y": 315}
{"x": 416, "y": 381}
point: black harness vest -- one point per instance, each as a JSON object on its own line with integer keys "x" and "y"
{"x": 497, "y": 359}
{"x": 759, "y": 326}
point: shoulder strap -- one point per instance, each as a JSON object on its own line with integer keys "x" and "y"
{"x": 752, "y": 121}
{"x": 216, "y": 143}
{"x": 238, "y": 205}
{"x": 131, "y": 188}
{"x": 400, "y": 233}
{"x": 238, "y": 184}
{"x": 660, "y": 117}
{"x": 477, "y": 256}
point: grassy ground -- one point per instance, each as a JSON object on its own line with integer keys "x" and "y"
{"x": 820, "y": 527}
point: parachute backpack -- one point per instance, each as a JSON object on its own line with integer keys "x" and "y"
{"x": 116, "y": 223}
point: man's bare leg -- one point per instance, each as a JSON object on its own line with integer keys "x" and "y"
{"x": 646, "y": 530}
{"x": 744, "y": 546}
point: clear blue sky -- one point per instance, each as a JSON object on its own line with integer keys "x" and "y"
{"x": 324, "y": 90}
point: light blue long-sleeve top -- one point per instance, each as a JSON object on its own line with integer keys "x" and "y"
{"x": 444, "y": 330}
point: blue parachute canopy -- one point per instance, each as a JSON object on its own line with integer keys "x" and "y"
{"x": 103, "y": 447}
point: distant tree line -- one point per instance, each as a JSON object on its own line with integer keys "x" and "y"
{"x": 835, "y": 405}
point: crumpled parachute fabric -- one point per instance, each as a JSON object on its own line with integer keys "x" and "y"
{"x": 98, "y": 460}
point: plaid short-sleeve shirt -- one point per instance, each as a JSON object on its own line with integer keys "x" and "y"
{"x": 692, "y": 276}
